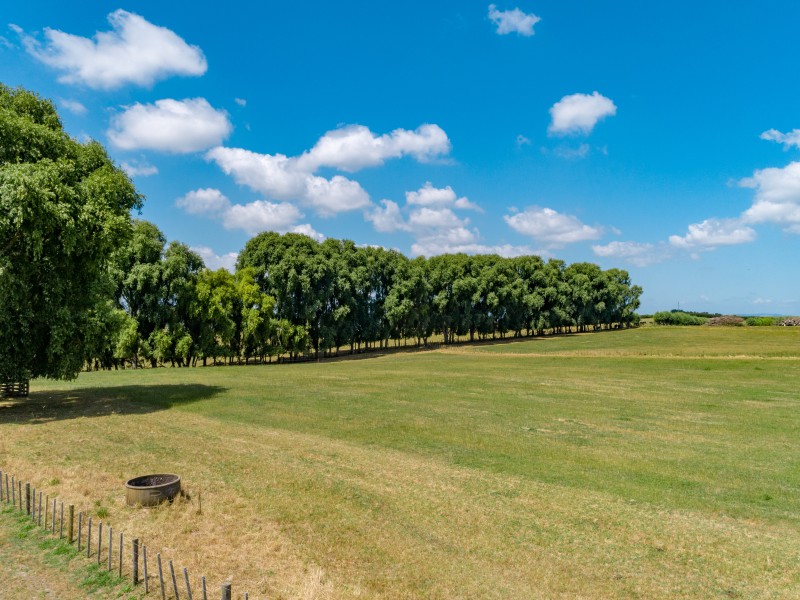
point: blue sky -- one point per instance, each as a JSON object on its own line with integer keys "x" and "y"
{"x": 661, "y": 138}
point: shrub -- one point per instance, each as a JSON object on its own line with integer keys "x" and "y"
{"x": 762, "y": 321}
{"x": 677, "y": 318}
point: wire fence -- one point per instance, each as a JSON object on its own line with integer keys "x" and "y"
{"x": 59, "y": 519}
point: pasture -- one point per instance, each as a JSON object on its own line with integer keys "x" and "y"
{"x": 646, "y": 463}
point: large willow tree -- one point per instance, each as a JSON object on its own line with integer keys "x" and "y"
{"x": 64, "y": 206}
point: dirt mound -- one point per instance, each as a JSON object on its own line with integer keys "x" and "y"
{"x": 726, "y": 321}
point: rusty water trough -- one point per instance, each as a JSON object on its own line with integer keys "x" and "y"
{"x": 151, "y": 490}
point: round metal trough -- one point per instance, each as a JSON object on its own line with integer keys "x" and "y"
{"x": 151, "y": 490}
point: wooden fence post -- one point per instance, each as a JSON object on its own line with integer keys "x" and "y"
{"x": 61, "y": 523}
{"x": 40, "y": 509}
{"x": 226, "y": 591}
{"x": 120, "y": 554}
{"x": 161, "y": 577}
{"x": 33, "y": 504}
{"x": 144, "y": 560}
{"x": 89, "y": 538}
{"x": 13, "y": 492}
{"x": 203, "y": 584}
{"x": 135, "y": 561}
{"x": 70, "y": 524}
{"x": 188, "y": 587}
{"x": 2, "y": 496}
{"x": 28, "y": 499}
{"x": 174, "y": 581}
{"x": 80, "y": 529}
{"x": 110, "y": 545}
{"x": 99, "y": 541}
{"x": 53, "y": 528}
{"x": 19, "y": 488}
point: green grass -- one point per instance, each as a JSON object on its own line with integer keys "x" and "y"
{"x": 65, "y": 571}
{"x": 656, "y": 462}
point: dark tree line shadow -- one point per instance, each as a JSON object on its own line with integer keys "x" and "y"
{"x": 58, "y": 405}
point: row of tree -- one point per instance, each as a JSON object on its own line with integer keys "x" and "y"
{"x": 291, "y": 295}
{"x": 82, "y": 283}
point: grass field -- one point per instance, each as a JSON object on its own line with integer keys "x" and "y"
{"x": 647, "y": 463}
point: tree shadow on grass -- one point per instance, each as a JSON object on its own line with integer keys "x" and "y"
{"x": 59, "y": 405}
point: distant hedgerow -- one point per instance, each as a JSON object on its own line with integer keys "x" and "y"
{"x": 677, "y": 318}
{"x": 762, "y": 321}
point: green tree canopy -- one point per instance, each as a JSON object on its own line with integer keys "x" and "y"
{"x": 64, "y": 207}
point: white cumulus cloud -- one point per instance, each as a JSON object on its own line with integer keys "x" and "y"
{"x": 73, "y": 106}
{"x": 579, "y": 113}
{"x": 564, "y": 151}
{"x": 260, "y": 215}
{"x": 134, "y": 51}
{"x": 203, "y": 201}
{"x": 513, "y": 21}
{"x": 387, "y": 218}
{"x": 175, "y": 126}
{"x": 348, "y": 149}
{"x": 551, "y": 227}
{"x": 307, "y": 229}
{"x": 428, "y": 195}
{"x": 253, "y": 217}
{"x": 436, "y": 217}
{"x": 216, "y": 261}
{"x": 355, "y": 147}
{"x": 777, "y": 197}
{"x": 138, "y": 168}
{"x": 712, "y": 233}
{"x": 278, "y": 177}
{"x": 788, "y": 140}
{"x": 636, "y": 253}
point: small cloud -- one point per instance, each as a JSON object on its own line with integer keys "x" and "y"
{"x": 138, "y": 168}
{"x": 635, "y": 253}
{"x": 174, "y": 126}
{"x": 550, "y": 227}
{"x": 522, "y": 141}
{"x": 777, "y": 197}
{"x": 513, "y": 21}
{"x": 278, "y": 177}
{"x": 203, "y": 201}
{"x": 240, "y": 101}
{"x": 570, "y": 153}
{"x": 258, "y": 216}
{"x": 579, "y": 113}
{"x": 387, "y": 218}
{"x": 712, "y": 233}
{"x": 308, "y": 230}
{"x": 134, "y": 51}
{"x": 354, "y": 147}
{"x": 762, "y": 301}
{"x": 787, "y": 139}
{"x": 73, "y": 106}
{"x": 349, "y": 148}
{"x": 216, "y": 261}
{"x": 428, "y": 195}
{"x": 252, "y": 218}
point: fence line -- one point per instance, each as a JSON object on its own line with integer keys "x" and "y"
{"x": 13, "y": 496}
